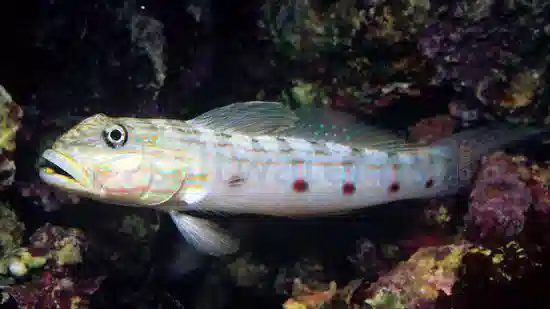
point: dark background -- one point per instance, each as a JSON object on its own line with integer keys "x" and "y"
{"x": 61, "y": 54}
{"x": 65, "y": 60}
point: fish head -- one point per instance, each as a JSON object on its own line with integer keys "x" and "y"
{"x": 124, "y": 161}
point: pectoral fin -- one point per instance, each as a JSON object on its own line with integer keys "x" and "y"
{"x": 204, "y": 235}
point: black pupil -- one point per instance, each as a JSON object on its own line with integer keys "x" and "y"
{"x": 115, "y": 135}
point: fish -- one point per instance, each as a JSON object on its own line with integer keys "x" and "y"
{"x": 258, "y": 157}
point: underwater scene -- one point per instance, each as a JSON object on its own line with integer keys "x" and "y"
{"x": 294, "y": 154}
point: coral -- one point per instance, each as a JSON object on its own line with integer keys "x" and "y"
{"x": 485, "y": 54}
{"x": 54, "y": 291}
{"x": 464, "y": 111}
{"x": 500, "y": 198}
{"x": 464, "y": 52}
{"x": 506, "y": 187}
{"x": 302, "y": 29}
{"x": 19, "y": 262}
{"x": 353, "y": 50}
{"x": 521, "y": 99}
{"x": 521, "y": 89}
{"x": 363, "y": 56}
{"x": 15, "y": 261}
{"x": 304, "y": 93}
{"x": 64, "y": 246}
{"x": 307, "y": 29}
{"x": 367, "y": 260}
{"x": 247, "y": 273}
{"x": 433, "y": 227}
{"x": 417, "y": 281}
{"x": 10, "y": 121}
{"x": 505, "y": 263}
{"x": 7, "y": 168}
{"x": 53, "y": 248}
{"x": 308, "y": 271}
{"x": 50, "y": 246}
{"x": 432, "y": 129}
{"x": 537, "y": 177}
{"x": 437, "y": 212}
{"x": 304, "y": 297}
{"x": 390, "y": 251}
{"x": 386, "y": 299}
{"x": 11, "y": 230}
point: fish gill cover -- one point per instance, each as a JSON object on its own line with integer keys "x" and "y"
{"x": 428, "y": 68}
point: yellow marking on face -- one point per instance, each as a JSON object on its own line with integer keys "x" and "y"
{"x": 194, "y": 186}
{"x": 150, "y": 140}
{"x": 198, "y": 177}
{"x": 103, "y": 173}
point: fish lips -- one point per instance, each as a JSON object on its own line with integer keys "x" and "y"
{"x": 60, "y": 170}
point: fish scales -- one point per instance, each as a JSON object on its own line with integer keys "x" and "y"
{"x": 257, "y": 157}
{"x": 267, "y": 167}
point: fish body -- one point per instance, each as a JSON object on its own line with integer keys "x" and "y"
{"x": 288, "y": 176}
{"x": 260, "y": 158}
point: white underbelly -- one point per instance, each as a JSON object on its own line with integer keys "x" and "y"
{"x": 276, "y": 189}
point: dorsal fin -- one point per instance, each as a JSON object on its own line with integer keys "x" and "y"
{"x": 250, "y": 118}
{"x": 310, "y": 123}
{"x": 323, "y": 123}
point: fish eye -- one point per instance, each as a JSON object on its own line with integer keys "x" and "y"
{"x": 115, "y": 136}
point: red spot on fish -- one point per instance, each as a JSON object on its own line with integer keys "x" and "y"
{"x": 429, "y": 183}
{"x": 300, "y": 185}
{"x": 394, "y": 187}
{"x": 348, "y": 188}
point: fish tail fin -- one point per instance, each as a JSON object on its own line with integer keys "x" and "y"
{"x": 204, "y": 235}
{"x": 466, "y": 148}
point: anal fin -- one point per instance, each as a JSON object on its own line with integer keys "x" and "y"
{"x": 204, "y": 235}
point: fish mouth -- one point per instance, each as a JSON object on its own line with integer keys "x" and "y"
{"x": 61, "y": 170}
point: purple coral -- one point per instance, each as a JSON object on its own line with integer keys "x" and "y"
{"x": 417, "y": 282}
{"x": 499, "y": 199}
{"x": 480, "y": 55}
{"x": 10, "y": 121}
{"x": 58, "y": 286}
{"x": 54, "y": 291}
{"x": 469, "y": 52}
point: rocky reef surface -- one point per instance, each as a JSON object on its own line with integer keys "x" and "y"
{"x": 426, "y": 69}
